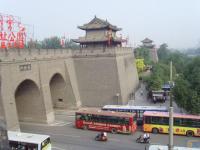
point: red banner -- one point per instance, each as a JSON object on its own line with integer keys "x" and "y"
{"x": 12, "y": 32}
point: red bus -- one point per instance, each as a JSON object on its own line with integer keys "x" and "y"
{"x": 114, "y": 122}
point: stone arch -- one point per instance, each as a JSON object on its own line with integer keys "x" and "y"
{"x": 61, "y": 92}
{"x": 29, "y": 102}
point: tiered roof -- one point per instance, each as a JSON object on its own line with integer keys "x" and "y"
{"x": 97, "y": 23}
{"x": 146, "y": 40}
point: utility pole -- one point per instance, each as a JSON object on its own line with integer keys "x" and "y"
{"x": 170, "y": 146}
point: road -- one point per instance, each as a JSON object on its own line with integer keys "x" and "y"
{"x": 65, "y": 136}
{"x": 142, "y": 100}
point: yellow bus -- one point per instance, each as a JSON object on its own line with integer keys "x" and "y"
{"x": 158, "y": 122}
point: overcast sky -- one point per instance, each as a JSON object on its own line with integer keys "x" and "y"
{"x": 175, "y": 22}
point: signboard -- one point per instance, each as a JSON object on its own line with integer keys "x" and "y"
{"x": 12, "y": 32}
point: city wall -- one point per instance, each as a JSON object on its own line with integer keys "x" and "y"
{"x": 34, "y": 81}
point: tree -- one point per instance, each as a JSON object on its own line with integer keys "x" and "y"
{"x": 156, "y": 83}
{"x": 187, "y": 84}
{"x": 51, "y": 43}
{"x": 70, "y": 44}
{"x": 181, "y": 92}
{"x": 194, "y": 103}
{"x": 143, "y": 53}
{"x": 163, "y": 52}
{"x": 34, "y": 44}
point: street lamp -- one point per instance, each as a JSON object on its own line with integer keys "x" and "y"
{"x": 170, "y": 146}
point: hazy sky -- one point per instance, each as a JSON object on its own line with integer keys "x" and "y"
{"x": 176, "y": 22}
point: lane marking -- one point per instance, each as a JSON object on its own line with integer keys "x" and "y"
{"x": 58, "y": 148}
{"x": 74, "y": 136}
{"x": 60, "y": 123}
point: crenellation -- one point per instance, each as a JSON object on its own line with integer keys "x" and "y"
{"x": 101, "y": 52}
{"x": 39, "y": 54}
{"x": 33, "y": 54}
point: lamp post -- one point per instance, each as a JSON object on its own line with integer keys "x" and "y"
{"x": 170, "y": 146}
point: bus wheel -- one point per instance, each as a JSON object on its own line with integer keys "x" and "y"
{"x": 190, "y": 133}
{"x": 155, "y": 130}
{"x": 85, "y": 127}
{"x": 113, "y": 130}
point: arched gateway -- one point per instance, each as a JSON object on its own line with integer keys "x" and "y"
{"x": 29, "y": 102}
{"x": 61, "y": 92}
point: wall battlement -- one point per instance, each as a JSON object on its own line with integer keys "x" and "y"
{"x": 95, "y": 52}
{"x": 33, "y": 54}
{"x": 42, "y": 54}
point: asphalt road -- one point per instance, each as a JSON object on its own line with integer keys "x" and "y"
{"x": 65, "y": 136}
{"x": 142, "y": 100}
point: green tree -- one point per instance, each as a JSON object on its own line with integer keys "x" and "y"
{"x": 70, "y": 44}
{"x": 143, "y": 53}
{"x": 194, "y": 103}
{"x": 192, "y": 74}
{"x": 163, "y": 52}
{"x": 181, "y": 92}
{"x": 51, "y": 43}
{"x": 155, "y": 83}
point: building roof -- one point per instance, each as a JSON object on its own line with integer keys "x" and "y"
{"x": 97, "y": 23}
{"x": 146, "y": 40}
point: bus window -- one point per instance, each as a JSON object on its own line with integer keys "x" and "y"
{"x": 177, "y": 121}
{"x": 164, "y": 121}
{"x": 78, "y": 116}
{"x": 22, "y": 146}
{"x": 147, "y": 120}
{"x": 127, "y": 121}
{"x": 196, "y": 123}
{"x": 155, "y": 120}
{"x": 191, "y": 122}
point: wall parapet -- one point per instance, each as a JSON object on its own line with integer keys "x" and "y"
{"x": 10, "y": 55}
{"x": 33, "y": 54}
{"x": 95, "y": 52}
